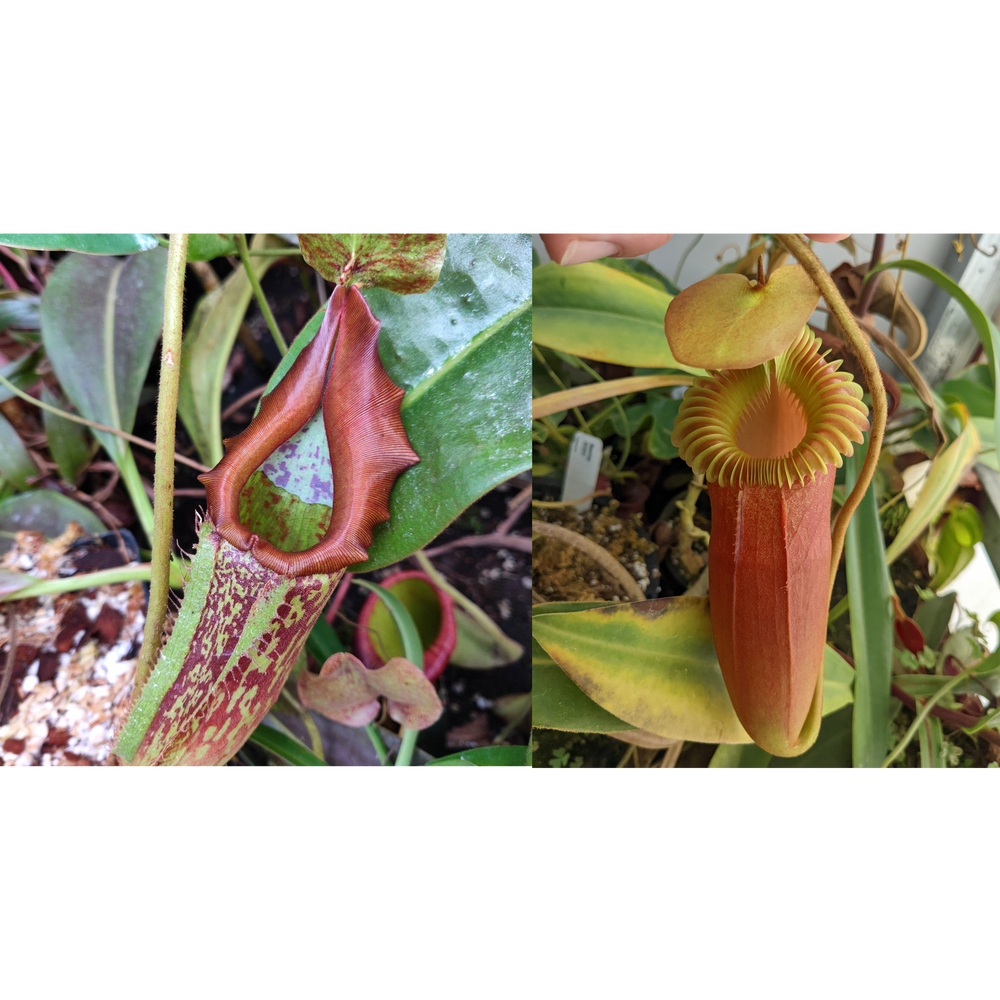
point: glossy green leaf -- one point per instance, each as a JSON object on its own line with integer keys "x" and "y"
{"x": 604, "y": 314}
{"x": 69, "y": 442}
{"x": 933, "y": 617}
{"x": 46, "y": 511}
{"x": 208, "y": 343}
{"x": 986, "y": 330}
{"x": 485, "y": 757}
{"x": 101, "y": 319}
{"x": 286, "y": 747}
{"x": 868, "y": 589}
{"x": 16, "y": 465}
{"x": 461, "y": 351}
{"x": 404, "y": 263}
{"x": 89, "y": 243}
{"x": 669, "y": 683}
{"x": 18, "y": 311}
{"x": 941, "y": 483}
{"x": 208, "y": 246}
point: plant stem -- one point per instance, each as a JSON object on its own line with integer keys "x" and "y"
{"x": 925, "y": 711}
{"x": 163, "y": 483}
{"x": 8, "y": 668}
{"x": 407, "y": 744}
{"x": 799, "y": 249}
{"x": 378, "y": 744}
{"x": 142, "y": 442}
{"x": 241, "y": 246}
{"x": 276, "y": 252}
{"x": 868, "y": 292}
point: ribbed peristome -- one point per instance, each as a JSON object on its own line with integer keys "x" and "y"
{"x": 800, "y": 395}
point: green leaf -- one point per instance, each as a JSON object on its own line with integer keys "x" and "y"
{"x": 413, "y": 648}
{"x": 604, "y": 314}
{"x": 207, "y": 346}
{"x": 742, "y": 755}
{"x": 101, "y": 319}
{"x": 89, "y": 243}
{"x": 18, "y": 310}
{"x": 651, "y": 663}
{"x": 660, "y": 412}
{"x": 556, "y": 702}
{"x": 832, "y": 747}
{"x": 46, "y": 511}
{"x": 208, "y": 246}
{"x": 323, "y": 642}
{"x": 641, "y": 270}
{"x": 868, "y": 589}
{"x": 977, "y": 398}
{"x": 988, "y": 334}
{"x": 404, "y": 263}
{"x": 285, "y": 747}
{"x": 16, "y": 465}
{"x": 461, "y": 351}
{"x": 931, "y": 737}
{"x": 838, "y": 681}
{"x": 955, "y": 548}
{"x": 69, "y": 442}
{"x": 941, "y": 483}
{"x": 830, "y": 752}
{"x": 933, "y": 617}
{"x": 480, "y": 643}
{"x": 21, "y": 373}
{"x": 485, "y": 757}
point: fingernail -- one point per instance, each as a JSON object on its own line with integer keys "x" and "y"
{"x": 582, "y": 251}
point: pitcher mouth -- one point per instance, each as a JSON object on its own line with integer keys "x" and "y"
{"x": 777, "y": 424}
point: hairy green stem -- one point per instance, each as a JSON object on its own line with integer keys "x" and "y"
{"x": 800, "y": 250}
{"x": 272, "y": 325}
{"x": 163, "y": 484}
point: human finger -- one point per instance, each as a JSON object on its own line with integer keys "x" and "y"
{"x": 579, "y": 248}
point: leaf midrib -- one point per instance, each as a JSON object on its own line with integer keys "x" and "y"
{"x": 480, "y": 338}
